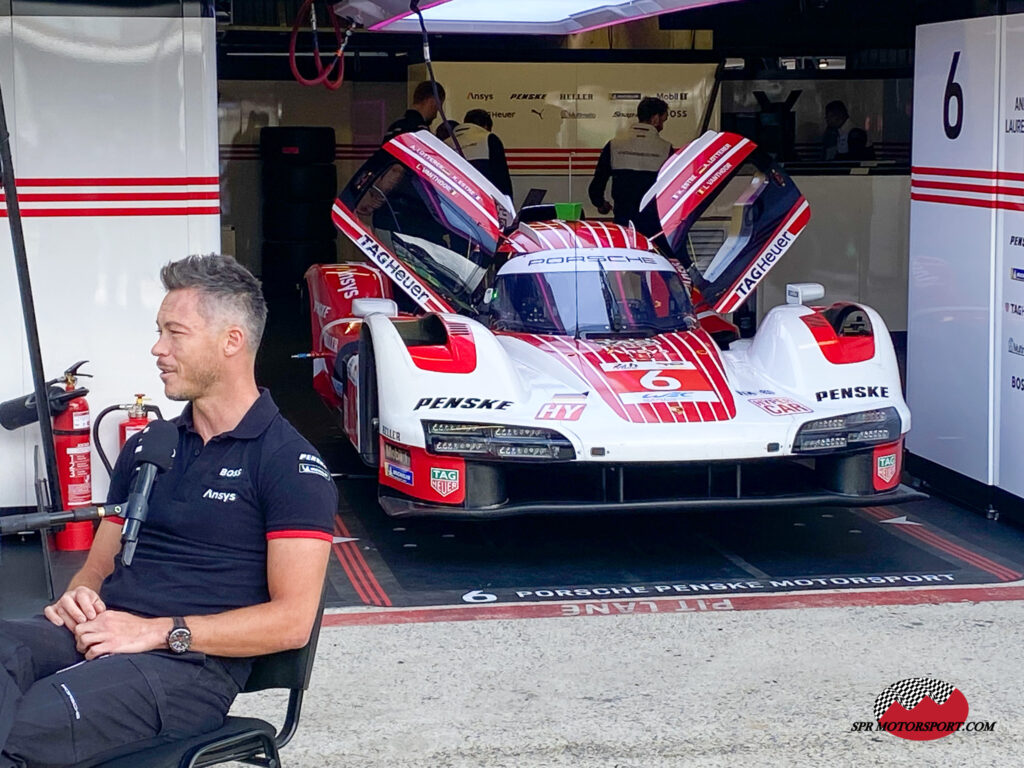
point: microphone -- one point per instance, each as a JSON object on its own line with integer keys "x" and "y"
{"x": 153, "y": 454}
{"x": 34, "y": 521}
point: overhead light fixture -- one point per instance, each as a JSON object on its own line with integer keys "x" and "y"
{"x": 532, "y": 17}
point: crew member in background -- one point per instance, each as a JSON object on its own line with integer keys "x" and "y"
{"x": 421, "y": 114}
{"x": 835, "y": 140}
{"x": 483, "y": 148}
{"x": 444, "y": 130}
{"x": 632, "y": 161}
{"x": 230, "y": 561}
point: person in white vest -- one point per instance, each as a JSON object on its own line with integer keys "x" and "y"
{"x": 632, "y": 160}
{"x": 483, "y": 148}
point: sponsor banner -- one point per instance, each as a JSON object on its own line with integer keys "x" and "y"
{"x": 565, "y": 113}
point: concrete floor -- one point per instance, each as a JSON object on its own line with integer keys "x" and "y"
{"x": 751, "y": 688}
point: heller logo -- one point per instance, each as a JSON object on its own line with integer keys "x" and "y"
{"x": 444, "y": 481}
{"x": 886, "y": 467}
{"x": 1016, "y": 273}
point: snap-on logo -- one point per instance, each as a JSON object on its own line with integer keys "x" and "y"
{"x": 219, "y": 495}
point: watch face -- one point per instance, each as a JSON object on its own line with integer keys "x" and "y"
{"x": 179, "y": 640}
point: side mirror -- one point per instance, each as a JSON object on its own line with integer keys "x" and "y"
{"x": 801, "y": 293}
{"x": 364, "y": 307}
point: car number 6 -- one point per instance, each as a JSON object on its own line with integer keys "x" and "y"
{"x": 655, "y": 380}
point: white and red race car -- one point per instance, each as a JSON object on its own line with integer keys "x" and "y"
{"x": 544, "y": 363}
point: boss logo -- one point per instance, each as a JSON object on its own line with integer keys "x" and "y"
{"x": 1017, "y": 382}
{"x": 227, "y": 472}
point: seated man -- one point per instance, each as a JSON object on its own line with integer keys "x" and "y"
{"x": 229, "y": 565}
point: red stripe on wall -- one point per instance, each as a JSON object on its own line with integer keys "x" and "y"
{"x": 1001, "y": 175}
{"x": 55, "y": 212}
{"x": 135, "y": 181}
{"x": 990, "y": 189}
{"x": 111, "y": 197}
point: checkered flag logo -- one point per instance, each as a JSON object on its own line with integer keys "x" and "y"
{"x": 910, "y": 692}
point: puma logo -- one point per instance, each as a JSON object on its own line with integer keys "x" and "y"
{"x": 538, "y": 112}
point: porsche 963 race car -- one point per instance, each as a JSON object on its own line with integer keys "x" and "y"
{"x": 489, "y": 363}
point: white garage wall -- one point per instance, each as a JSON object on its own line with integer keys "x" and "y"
{"x": 115, "y": 152}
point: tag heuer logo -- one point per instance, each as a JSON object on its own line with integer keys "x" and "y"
{"x": 445, "y": 481}
{"x": 886, "y": 467}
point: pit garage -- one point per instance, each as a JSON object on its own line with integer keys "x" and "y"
{"x": 529, "y": 417}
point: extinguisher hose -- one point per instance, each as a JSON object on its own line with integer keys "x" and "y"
{"x": 96, "y": 436}
{"x": 96, "y": 430}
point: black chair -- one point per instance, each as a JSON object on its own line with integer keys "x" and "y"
{"x": 242, "y": 739}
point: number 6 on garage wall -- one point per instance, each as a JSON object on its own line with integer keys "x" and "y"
{"x": 953, "y": 93}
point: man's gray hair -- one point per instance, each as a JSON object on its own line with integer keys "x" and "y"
{"x": 223, "y": 284}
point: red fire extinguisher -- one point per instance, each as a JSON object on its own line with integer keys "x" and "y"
{"x": 138, "y": 418}
{"x": 74, "y": 460}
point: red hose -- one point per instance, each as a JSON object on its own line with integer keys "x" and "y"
{"x": 323, "y": 76}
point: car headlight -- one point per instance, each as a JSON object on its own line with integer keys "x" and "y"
{"x": 851, "y": 430}
{"x": 497, "y": 441}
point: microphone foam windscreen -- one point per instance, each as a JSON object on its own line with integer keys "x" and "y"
{"x": 157, "y": 445}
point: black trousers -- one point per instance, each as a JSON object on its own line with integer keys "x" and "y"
{"x": 57, "y": 709}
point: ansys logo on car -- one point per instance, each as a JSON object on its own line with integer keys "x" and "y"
{"x": 922, "y": 709}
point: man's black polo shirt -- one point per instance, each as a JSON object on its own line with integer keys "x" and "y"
{"x": 203, "y": 546}
{"x": 410, "y": 122}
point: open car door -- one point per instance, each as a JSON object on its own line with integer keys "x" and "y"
{"x": 428, "y": 218}
{"x": 728, "y": 212}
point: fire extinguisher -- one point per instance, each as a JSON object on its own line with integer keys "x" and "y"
{"x": 138, "y": 418}
{"x": 74, "y": 449}
{"x": 74, "y": 459}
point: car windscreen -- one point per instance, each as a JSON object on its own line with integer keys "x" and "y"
{"x": 591, "y": 303}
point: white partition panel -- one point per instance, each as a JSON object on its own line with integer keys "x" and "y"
{"x": 950, "y": 366}
{"x": 1009, "y": 305}
{"x": 115, "y": 151}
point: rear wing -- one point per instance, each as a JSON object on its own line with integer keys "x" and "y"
{"x": 726, "y": 175}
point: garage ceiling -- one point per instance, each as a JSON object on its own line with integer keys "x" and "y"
{"x": 531, "y": 17}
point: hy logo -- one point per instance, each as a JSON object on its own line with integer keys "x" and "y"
{"x": 444, "y": 481}
{"x": 920, "y": 709}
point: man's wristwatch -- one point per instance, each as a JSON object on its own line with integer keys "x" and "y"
{"x": 179, "y": 639}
